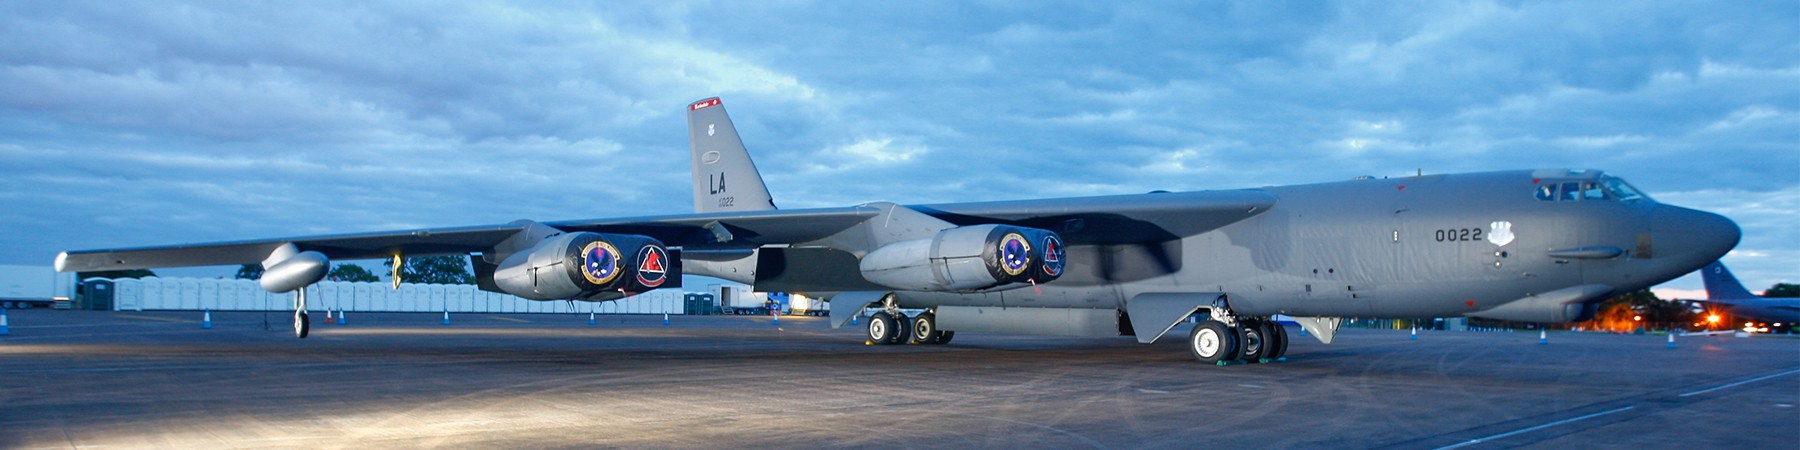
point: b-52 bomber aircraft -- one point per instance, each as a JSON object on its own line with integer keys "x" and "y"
{"x": 1527, "y": 245}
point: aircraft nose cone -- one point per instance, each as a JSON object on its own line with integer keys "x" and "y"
{"x": 1692, "y": 238}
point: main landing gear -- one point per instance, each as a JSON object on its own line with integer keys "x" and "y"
{"x": 889, "y": 326}
{"x": 1223, "y": 338}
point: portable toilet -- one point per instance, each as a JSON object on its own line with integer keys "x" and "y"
{"x": 153, "y": 294}
{"x": 127, "y": 294}
{"x": 97, "y": 294}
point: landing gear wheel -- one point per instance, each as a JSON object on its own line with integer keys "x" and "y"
{"x": 882, "y": 328}
{"x": 302, "y": 324}
{"x": 902, "y": 329}
{"x": 1253, "y": 340}
{"x": 1278, "y": 340}
{"x": 925, "y": 331}
{"x": 944, "y": 337}
{"x": 1212, "y": 341}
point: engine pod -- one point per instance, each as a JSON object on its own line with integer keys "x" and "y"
{"x": 970, "y": 258}
{"x": 583, "y": 265}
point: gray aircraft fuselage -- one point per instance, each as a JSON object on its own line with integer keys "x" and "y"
{"x": 1402, "y": 247}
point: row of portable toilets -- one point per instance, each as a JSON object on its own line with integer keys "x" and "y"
{"x": 141, "y": 294}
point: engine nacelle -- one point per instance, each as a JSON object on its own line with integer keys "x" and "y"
{"x": 584, "y": 265}
{"x": 970, "y": 258}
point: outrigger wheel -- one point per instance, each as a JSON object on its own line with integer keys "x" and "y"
{"x": 302, "y": 324}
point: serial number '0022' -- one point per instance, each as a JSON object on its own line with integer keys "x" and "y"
{"x": 725, "y": 202}
{"x": 1459, "y": 234}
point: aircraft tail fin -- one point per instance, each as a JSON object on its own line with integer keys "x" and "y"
{"x": 1721, "y": 284}
{"x": 724, "y": 177}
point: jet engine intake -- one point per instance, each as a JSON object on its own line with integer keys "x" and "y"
{"x": 968, "y": 258}
{"x": 583, "y": 265}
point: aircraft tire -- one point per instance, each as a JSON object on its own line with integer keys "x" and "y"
{"x": 1253, "y": 341}
{"x": 944, "y": 337}
{"x": 882, "y": 328}
{"x": 302, "y": 324}
{"x": 1211, "y": 342}
{"x": 902, "y": 329}
{"x": 924, "y": 329}
{"x": 1278, "y": 340}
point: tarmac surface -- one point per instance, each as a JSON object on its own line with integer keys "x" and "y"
{"x": 82, "y": 379}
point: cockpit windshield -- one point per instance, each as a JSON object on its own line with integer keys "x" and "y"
{"x": 1620, "y": 190}
{"x": 1606, "y": 188}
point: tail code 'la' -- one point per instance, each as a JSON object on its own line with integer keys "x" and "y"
{"x": 1721, "y": 284}
{"x": 724, "y": 177}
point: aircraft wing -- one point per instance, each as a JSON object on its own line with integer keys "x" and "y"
{"x": 1116, "y": 219}
{"x": 424, "y": 242}
{"x": 746, "y": 230}
{"x": 1089, "y": 220}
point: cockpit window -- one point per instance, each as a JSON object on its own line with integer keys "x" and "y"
{"x": 1620, "y": 189}
{"x": 1591, "y": 191}
{"x": 1608, "y": 188}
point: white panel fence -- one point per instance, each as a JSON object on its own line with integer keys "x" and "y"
{"x": 153, "y": 293}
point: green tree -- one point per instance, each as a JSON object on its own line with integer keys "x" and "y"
{"x": 1783, "y": 290}
{"x": 250, "y": 272}
{"x": 351, "y": 273}
{"x": 115, "y": 274}
{"x": 449, "y": 269}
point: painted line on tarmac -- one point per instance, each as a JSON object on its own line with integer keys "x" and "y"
{"x": 1539, "y": 427}
{"x": 1740, "y": 383}
{"x": 158, "y": 319}
{"x": 509, "y": 319}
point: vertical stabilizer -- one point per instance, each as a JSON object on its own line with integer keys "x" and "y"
{"x": 1721, "y": 284}
{"x": 724, "y": 177}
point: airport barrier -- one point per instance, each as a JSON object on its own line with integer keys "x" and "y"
{"x": 197, "y": 294}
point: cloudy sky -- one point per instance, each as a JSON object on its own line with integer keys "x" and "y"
{"x": 131, "y": 124}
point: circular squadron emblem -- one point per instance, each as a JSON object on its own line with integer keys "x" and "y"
{"x": 653, "y": 266}
{"x": 1053, "y": 256}
{"x": 599, "y": 262}
{"x": 1015, "y": 254}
